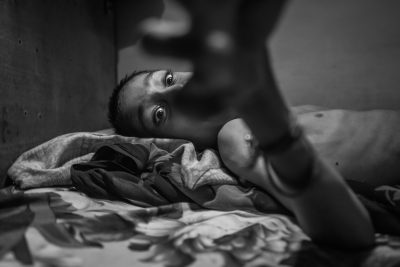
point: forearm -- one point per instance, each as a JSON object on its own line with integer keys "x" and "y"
{"x": 263, "y": 102}
{"x": 326, "y": 208}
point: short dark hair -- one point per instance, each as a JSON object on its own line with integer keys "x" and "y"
{"x": 114, "y": 110}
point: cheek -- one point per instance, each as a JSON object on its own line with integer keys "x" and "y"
{"x": 197, "y": 131}
{"x": 182, "y": 125}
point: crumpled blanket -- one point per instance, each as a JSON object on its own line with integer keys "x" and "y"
{"x": 200, "y": 175}
{"x": 177, "y": 234}
{"x": 221, "y": 235}
{"x": 146, "y": 175}
{"x": 49, "y": 163}
{"x": 64, "y": 227}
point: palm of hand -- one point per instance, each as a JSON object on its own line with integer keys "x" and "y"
{"x": 226, "y": 40}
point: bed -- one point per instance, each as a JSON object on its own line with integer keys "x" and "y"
{"x": 100, "y": 199}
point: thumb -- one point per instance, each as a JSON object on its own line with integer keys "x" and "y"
{"x": 166, "y": 38}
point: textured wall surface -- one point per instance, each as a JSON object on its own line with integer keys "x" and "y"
{"x": 57, "y": 67}
{"x": 342, "y": 53}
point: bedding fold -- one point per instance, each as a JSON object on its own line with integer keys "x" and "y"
{"x": 162, "y": 197}
{"x": 146, "y": 175}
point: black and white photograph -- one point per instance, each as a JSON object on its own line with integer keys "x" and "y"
{"x": 199, "y": 133}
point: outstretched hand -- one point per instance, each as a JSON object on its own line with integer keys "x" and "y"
{"x": 226, "y": 44}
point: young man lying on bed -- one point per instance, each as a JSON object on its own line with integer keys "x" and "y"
{"x": 300, "y": 156}
{"x": 361, "y": 145}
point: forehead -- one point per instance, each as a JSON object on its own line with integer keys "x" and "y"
{"x": 134, "y": 90}
{"x": 141, "y": 86}
{"x": 129, "y": 102}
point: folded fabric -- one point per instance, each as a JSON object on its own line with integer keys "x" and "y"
{"x": 62, "y": 222}
{"x": 146, "y": 175}
{"x": 49, "y": 163}
{"x": 183, "y": 174}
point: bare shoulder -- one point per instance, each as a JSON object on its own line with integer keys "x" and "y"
{"x": 235, "y": 145}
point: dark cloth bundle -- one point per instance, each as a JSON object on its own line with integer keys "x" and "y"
{"x": 144, "y": 175}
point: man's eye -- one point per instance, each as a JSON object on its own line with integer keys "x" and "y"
{"x": 159, "y": 115}
{"x": 169, "y": 79}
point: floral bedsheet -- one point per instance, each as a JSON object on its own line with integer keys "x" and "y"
{"x": 66, "y": 226}
{"x": 56, "y": 226}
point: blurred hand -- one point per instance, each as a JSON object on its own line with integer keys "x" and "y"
{"x": 225, "y": 42}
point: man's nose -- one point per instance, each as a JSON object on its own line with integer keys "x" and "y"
{"x": 184, "y": 77}
{"x": 181, "y": 80}
{"x": 170, "y": 93}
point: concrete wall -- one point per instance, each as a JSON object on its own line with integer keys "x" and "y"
{"x": 57, "y": 68}
{"x": 342, "y": 53}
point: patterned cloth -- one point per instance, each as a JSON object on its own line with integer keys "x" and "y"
{"x": 174, "y": 184}
{"x": 173, "y": 234}
{"x": 146, "y": 175}
{"x": 58, "y": 221}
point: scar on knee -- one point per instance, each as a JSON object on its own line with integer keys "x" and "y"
{"x": 319, "y": 115}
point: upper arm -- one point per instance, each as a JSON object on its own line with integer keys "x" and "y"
{"x": 235, "y": 151}
{"x": 240, "y": 155}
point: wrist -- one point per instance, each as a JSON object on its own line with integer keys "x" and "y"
{"x": 292, "y": 169}
{"x": 288, "y": 139}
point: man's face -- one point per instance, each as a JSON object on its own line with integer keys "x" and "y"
{"x": 147, "y": 106}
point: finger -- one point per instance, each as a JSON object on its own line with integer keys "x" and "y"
{"x": 180, "y": 47}
{"x": 164, "y": 28}
{"x": 211, "y": 15}
{"x": 258, "y": 19}
{"x": 167, "y": 38}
